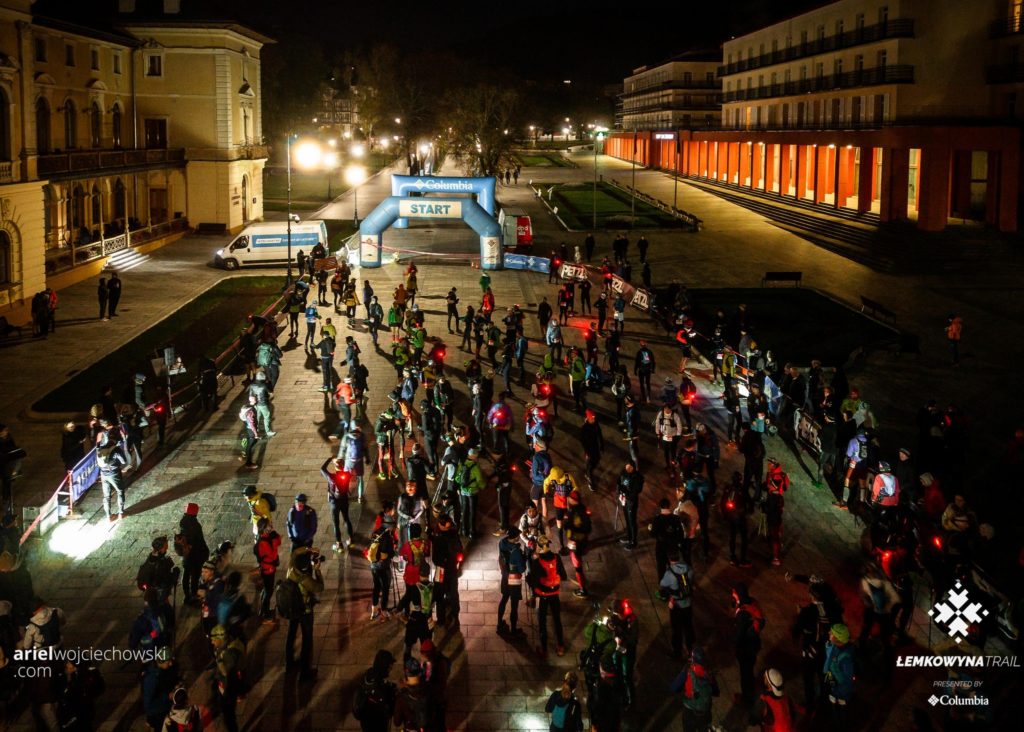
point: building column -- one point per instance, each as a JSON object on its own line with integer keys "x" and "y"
{"x": 800, "y": 169}
{"x": 822, "y": 173}
{"x": 864, "y": 179}
{"x": 1008, "y": 185}
{"x": 734, "y": 163}
{"x": 785, "y": 157}
{"x": 893, "y": 193}
{"x": 769, "y": 168}
{"x": 933, "y": 186}
{"x": 756, "y": 158}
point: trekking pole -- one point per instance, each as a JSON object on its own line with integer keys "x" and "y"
{"x": 615, "y": 524}
{"x": 394, "y": 585}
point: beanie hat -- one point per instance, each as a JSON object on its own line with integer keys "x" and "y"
{"x": 413, "y": 667}
{"x": 427, "y": 647}
{"x": 841, "y": 633}
{"x": 192, "y": 509}
{"x": 159, "y": 543}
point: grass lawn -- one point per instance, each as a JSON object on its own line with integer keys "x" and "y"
{"x": 795, "y": 324}
{"x": 575, "y": 206}
{"x": 205, "y": 326}
{"x": 541, "y": 161}
{"x": 310, "y": 189}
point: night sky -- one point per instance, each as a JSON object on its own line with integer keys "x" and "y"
{"x": 595, "y": 42}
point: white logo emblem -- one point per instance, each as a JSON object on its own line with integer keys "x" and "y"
{"x": 955, "y": 612}
{"x": 933, "y": 700}
{"x": 419, "y": 184}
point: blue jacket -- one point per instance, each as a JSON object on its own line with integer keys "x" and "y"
{"x": 302, "y": 524}
{"x": 839, "y": 670}
{"x": 409, "y": 389}
{"x": 541, "y": 467}
{"x": 522, "y": 344}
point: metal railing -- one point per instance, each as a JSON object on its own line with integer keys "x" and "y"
{"x": 85, "y": 161}
{"x": 685, "y": 216}
{"x": 6, "y": 171}
{"x": 900, "y": 74}
{"x": 896, "y": 28}
{"x": 73, "y": 252}
{"x": 697, "y": 84}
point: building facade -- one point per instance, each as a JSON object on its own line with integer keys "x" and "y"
{"x": 885, "y": 108}
{"x": 117, "y": 139}
{"x": 683, "y": 92}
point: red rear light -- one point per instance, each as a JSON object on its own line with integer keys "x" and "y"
{"x": 513, "y": 468}
{"x": 937, "y": 541}
{"x": 730, "y": 505}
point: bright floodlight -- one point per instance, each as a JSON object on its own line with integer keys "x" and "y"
{"x": 398, "y": 120}
{"x": 424, "y": 148}
{"x": 332, "y": 142}
{"x": 357, "y": 150}
{"x": 384, "y": 142}
{"x": 77, "y": 539}
{"x": 348, "y": 135}
{"x": 355, "y": 174}
{"x": 330, "y": 160}
{"x": 307, "y": 154}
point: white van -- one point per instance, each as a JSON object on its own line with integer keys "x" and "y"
{"x": 267, "y": 243}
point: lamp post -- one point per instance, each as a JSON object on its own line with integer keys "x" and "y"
{"x": 288, "y": 149}
{"x": 330, "y": 163}
{"x": 307, "y": 155}
{"x": 597, "y": 139}
{"x": 354, "y": 176}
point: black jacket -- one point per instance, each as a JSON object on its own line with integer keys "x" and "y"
{"x": 193, "y": 531}
{"x": 591, "y": 438}
{"x": 630, "y": 485}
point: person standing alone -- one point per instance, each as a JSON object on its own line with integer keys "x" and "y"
{"x": 103, "y": 296}
{"x": 114, "y": 293}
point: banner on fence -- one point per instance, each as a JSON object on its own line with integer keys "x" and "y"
{"x": 525, "y": 261}
{"x": 573, "y": 272}
{"x": 84, "y": 475}
{"x": 641, "y": 300}
{"x": 808, "y": 432}
{"x": 326, "y": 263}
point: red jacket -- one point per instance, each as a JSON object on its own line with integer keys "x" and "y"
{"x": 267, "y": 552}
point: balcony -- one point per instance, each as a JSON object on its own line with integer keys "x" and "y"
{"x": 1012, "y": 73}
{"x": 897, "y": 28}
{"x": 6, "y": 171}
{"x": 227, "y": 154}
{"x": 697, "y": 84}
{"x": 673, "y": 107}
{"x": 86, "y": 162}
{"x": 1008, "y": 26}
{"x": 902, "y": 74}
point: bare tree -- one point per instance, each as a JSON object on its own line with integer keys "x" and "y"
{"x": 481, "y": 122}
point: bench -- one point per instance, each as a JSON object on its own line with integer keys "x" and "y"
{"x": 212, "y": 229}
{"x": 795, "y": 277}
{"x": 876, "y": 309}
{"x": 6, "y": 328}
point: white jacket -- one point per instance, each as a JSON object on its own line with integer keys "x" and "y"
{"x": 667, "y": 426}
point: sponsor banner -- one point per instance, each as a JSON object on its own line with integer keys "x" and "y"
{"x": 572, "y": 272}
{"x": 84, "y": 475}
{"x": 808, "y": 432}
{"x": 325, "y": 263}
{"x": 430, "y": 208}
{"x": 490, "y": 252}
{"x": 641, "y": 300}
{"x": 369, "y": 252}
{"x": 524, "y": 231}
{"x": 524, "y": 261}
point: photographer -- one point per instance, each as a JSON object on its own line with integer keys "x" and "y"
{"x": 304, "y": 572}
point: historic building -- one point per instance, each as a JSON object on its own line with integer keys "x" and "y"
{"x": 683, "y": 92}
{"x": 119, "y": 138}
{"x": 900, "y": 109}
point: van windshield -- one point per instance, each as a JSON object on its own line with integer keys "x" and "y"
{"x": 241, "y": 242}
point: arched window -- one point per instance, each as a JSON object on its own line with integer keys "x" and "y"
{"x": 5, "y": 257}
{"x": 119, "y": 202}
{"x": 43, "y": 144}
{"x": 5, "y": 126}
{"x": 97, "y": 208}
{"x": 95, "y": 124}
{"x": 115, "y": 126}
{"x": 70, "y": 125}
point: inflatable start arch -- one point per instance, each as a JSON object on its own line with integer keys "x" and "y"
{"x": 397, "y": 209}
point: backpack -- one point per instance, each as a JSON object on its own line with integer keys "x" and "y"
{"x": 685, "y": 591}
{"x": 369, "y": 693}
{"x": 590, "y": 657}
{"x": 562, "y": 713}
{"x": 182, "y": 547}
{"x": 700, "y": 689}
{"x": 49, "y": 631}
{"x": 244, "y": 412}
{"x": 757, "y": 620}
{"x": 888, "y": 486}
{"x": 516, "y": 560}
{"x": 732, "y": 501}
{"x": 418, "y": 556}
{"x": 862, "y": 449}
{"x": 373, "y": 553}
{"x": 426, "y": 596}
{"x": 289, "y": 600}
{"x": 271, "y": 501}
{"x": 879, "y": 598}
{"x": 144, "y": 578}
{"x": 194, "y": 723}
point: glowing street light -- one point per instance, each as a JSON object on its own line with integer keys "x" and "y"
{"x": 354, "y": 176}
{"x": 357, "y": 150}
{"x": 308, "y": 154}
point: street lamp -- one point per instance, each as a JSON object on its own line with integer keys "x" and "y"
{"x": 307, "y": 155}
{"x": 598, "y": 137}
{"x": 330, "y": 163}
{"x": 354, "y": 176}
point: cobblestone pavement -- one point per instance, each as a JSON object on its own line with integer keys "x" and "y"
{"x": 88, "y": 569}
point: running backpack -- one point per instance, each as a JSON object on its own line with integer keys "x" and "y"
{"x": 590, "y": 657}
{"x": 862, "y": 449}
{"x": 49, "y": 631}
{"x": 373, "y": 553}
{"x": 562, "y": 713}
{"x": 426, "y": 597}
{"x": 181, "y": 545}
{"x": 289, "y": 600}
{"x": 757, "y": 620}
{"x": 244, "y": 412}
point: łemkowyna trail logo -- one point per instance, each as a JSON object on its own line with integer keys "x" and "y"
{"x": 956, "y": 612}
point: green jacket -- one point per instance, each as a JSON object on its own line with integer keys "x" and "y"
{"x": 394, "y": 317}
{"x": 418, "y": 337}
{"x": 578, "y": 369}
{"x": 469, "y": 478}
